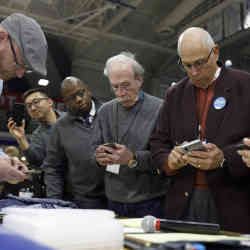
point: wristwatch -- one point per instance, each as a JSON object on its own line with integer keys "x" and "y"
{"x": 133, "y": 162}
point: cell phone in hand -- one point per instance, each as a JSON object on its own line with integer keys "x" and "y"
{"x": 110, "y": 144}
{"x": 18, "y": 113}
{"x": 195, "y": 145}
{"x": 242, "y": 146}
{"x": 32, "y": 171}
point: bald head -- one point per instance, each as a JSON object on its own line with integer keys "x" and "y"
{"x": 71, "y": 82}
{"x": 195, "y": 38}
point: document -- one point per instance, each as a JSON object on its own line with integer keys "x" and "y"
{"x": 172, "y": 237}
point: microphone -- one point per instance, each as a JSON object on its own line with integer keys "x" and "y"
{"x": 151, "y": 224}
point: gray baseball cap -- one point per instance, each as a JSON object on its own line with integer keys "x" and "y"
{"x": 29, "y": 36}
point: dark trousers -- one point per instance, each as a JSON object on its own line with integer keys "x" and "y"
{"x": 152, "y": 207}
{"x": 92, "y": 203}
{"x": 201, "y": 207}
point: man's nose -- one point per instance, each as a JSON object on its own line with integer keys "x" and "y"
{"x": 32, "y": 107}
{"x": 193, "y": 70}
{"x": 120, "y": 91}
{"x": 78, "y": 98}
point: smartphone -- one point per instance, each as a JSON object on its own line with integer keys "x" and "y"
{"x": 32, "y": 171}
{"x": 110, "y": 144}
{"x": 18, "y": 113}
{"x": 242, "y": 146}
{"x": 195, "y": 145}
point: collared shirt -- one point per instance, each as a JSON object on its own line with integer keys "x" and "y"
{"x": 217, "y": 74}
{"x": 90, "y": 117}
{"x": 92, "y": 112}
{"x": 204, "y": 97}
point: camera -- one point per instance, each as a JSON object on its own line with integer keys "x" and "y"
{"x": 195, "y": 145}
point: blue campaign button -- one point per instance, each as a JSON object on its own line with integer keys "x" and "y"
{"x": 219, "y": 103}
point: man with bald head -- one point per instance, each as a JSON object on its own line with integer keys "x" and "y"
{"x": 133, "y": 187}
{"x": 70, "y": 143}
{"x": 210, "y": 104}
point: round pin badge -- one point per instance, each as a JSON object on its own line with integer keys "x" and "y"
{"x": 219, "y": 103}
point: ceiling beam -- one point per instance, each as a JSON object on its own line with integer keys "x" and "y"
{"x": 181, "y": 11}
{"x": 205, "y": 17}
{"x": 212, "y": 12}
{"x": 117, "y": 19}
{"x": 60, "y": 28}
{"x": 90, "y": 18}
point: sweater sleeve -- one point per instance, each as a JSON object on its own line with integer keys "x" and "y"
{"x": 54, "y": 166}
{"x": 36, "y": 152}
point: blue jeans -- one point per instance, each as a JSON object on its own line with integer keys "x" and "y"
{"x": 152, "y": 207}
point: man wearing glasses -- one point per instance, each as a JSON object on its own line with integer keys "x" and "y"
{"x": 39, "y": 107}
{"x": 23, "y": 48}
{"x": 133, "y": 187}
{"x": 211, "y": 104}
{"x": 70, "y": 143}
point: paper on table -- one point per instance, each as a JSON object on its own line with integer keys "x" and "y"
{"x": 168, "y": 237}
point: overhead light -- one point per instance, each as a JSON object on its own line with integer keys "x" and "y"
{"x": 43, "y": 82}
{"x": 228, "y": 63}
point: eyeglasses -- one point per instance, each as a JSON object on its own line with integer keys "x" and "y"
{"x": 199, "y": 64}
{"x": 14, "y": 54}
{"x": 72, "y": 98}
{"x": 35, "y": 101}
{"x": 123, "y": 86}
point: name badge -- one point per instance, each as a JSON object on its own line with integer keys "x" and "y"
{"x": 219, "y": 103}
{"x": 114, "y": 168}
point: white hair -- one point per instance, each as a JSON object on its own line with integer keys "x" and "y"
{"x": 125, "y": 58}
{"x": 206, "y": 38}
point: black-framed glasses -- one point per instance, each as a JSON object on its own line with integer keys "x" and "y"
{"x": 199, "y": 64}
{"x": 72, "y": 98}
{"x": 35, "y": 101}
{"x": 14, "y": 54}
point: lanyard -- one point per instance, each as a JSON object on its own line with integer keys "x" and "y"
{"x": 116, "y": 124}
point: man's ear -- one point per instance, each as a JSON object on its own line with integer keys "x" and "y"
{"x": 217, "y": 50}
{"x": 50, "y": 102}
{"x": 139, "y": 80}
{"x": 3, "y": 39}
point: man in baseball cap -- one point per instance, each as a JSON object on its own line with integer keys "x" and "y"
{"x": 23, "y": 48}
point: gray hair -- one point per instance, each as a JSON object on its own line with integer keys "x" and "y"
{"x": 206, "y": 38}
{"x": 125, "y": 58}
